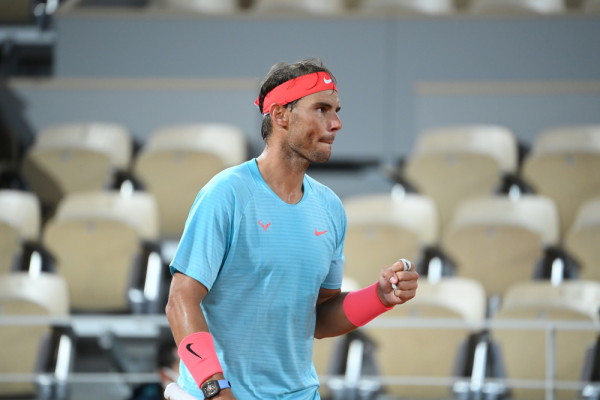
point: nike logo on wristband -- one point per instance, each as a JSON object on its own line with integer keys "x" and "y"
{"x": 189, "y": 348}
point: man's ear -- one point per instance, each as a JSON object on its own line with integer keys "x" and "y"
{"x": 280, "y": 115}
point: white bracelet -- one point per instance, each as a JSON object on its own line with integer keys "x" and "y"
{"x": 407, "y": 264}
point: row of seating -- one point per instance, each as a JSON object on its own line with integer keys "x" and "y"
{"x": 510, "y": 244}
{"x": 453, "y": 163}
{"x": 464, "y": 162}
{"x": 104, "y": 244}
{"x": 173, "y": 163}
{"x": 435, "y": 336}
{"x": 48, "y": 350}
{"x": 442, "y": 345}
{"x": 107, "y": 244}
{"x": 432, "y": 7}
{"x": 448, "y": 164}
{"x": 497, "y": 240}
{"x": 106, "y": 233}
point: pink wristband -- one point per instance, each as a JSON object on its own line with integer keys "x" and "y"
{"x": 363, "y": 305}
{"x": 197, "y": 351}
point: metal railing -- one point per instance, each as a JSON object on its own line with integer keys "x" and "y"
{"x": 148, "y": 325}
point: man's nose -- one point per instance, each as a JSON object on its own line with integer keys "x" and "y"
{"x": 336, "y": 124}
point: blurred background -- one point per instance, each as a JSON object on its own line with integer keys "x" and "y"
{"x": 471, "y": 145}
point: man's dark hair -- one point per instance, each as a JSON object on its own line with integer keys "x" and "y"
{"x": 283, "y": 72}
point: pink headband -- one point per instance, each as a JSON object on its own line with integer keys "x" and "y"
{"x": 296, "y": 88}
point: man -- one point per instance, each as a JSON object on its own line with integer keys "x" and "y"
{"x": 262, "y": 253}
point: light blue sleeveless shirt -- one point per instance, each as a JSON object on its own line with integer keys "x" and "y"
{"x": 263, "y": 261}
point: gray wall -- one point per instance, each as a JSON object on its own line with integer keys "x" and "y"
{"x": 397, "y": 75}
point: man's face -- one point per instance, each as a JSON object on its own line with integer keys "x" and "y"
{"x": 314, "y": 123}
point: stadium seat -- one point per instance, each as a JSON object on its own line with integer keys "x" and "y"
{"x": 178, "y": 160}
{"x": 502, "y": 7}
{"x": 422, "y": 352}
{"x": 20, "y": 221}
{"x": 29, "y": 348}
{"x": 98, "y": 240}
{"x": 498, "y": 240}
{"x": 75, "y": 157}
{"x": 429, "y": 7}
{"x": 138, "y": 209}
{"x": 451, "y": 164}
{"x": 531, "y": 314}
{"x": 383, "y": 228}
{"x": 582, "y": 240}
{"x": 563, "y": 164}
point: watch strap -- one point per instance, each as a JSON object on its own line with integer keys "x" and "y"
{"x": 224, "y": 384}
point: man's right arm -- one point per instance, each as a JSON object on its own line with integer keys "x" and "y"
{"x": 186, "y": 318}
{"x": 183, "y": 310}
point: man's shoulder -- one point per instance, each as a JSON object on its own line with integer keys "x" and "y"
{"x": 233, "y": 176}
{"x": 232, "y": 183}
{"x": 323, "y": 191}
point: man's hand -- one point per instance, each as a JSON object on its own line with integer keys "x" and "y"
{"x": 396, "y": 284}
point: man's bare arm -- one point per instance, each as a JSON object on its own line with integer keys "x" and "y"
{"x": 183, "y": 307}
{"x": 185, "y": 315}
{"x": 396, "y": 285}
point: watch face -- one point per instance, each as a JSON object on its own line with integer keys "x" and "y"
{"x": 211, "y": 388}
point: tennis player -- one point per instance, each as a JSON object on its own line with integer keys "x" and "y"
{"x": 258, "y": 270}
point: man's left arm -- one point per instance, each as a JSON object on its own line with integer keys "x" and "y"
{"x": 339, "y": 313}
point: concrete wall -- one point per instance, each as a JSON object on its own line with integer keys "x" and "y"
{"x": 397, "y": 75}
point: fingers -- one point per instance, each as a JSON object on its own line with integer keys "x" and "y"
{"x": 405, "y": 289}
{"x": 406, "y": 266}
{"x": 400, "y": 270}
{"x": 404, "y": 295}
{"x": 401, "y": 281}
